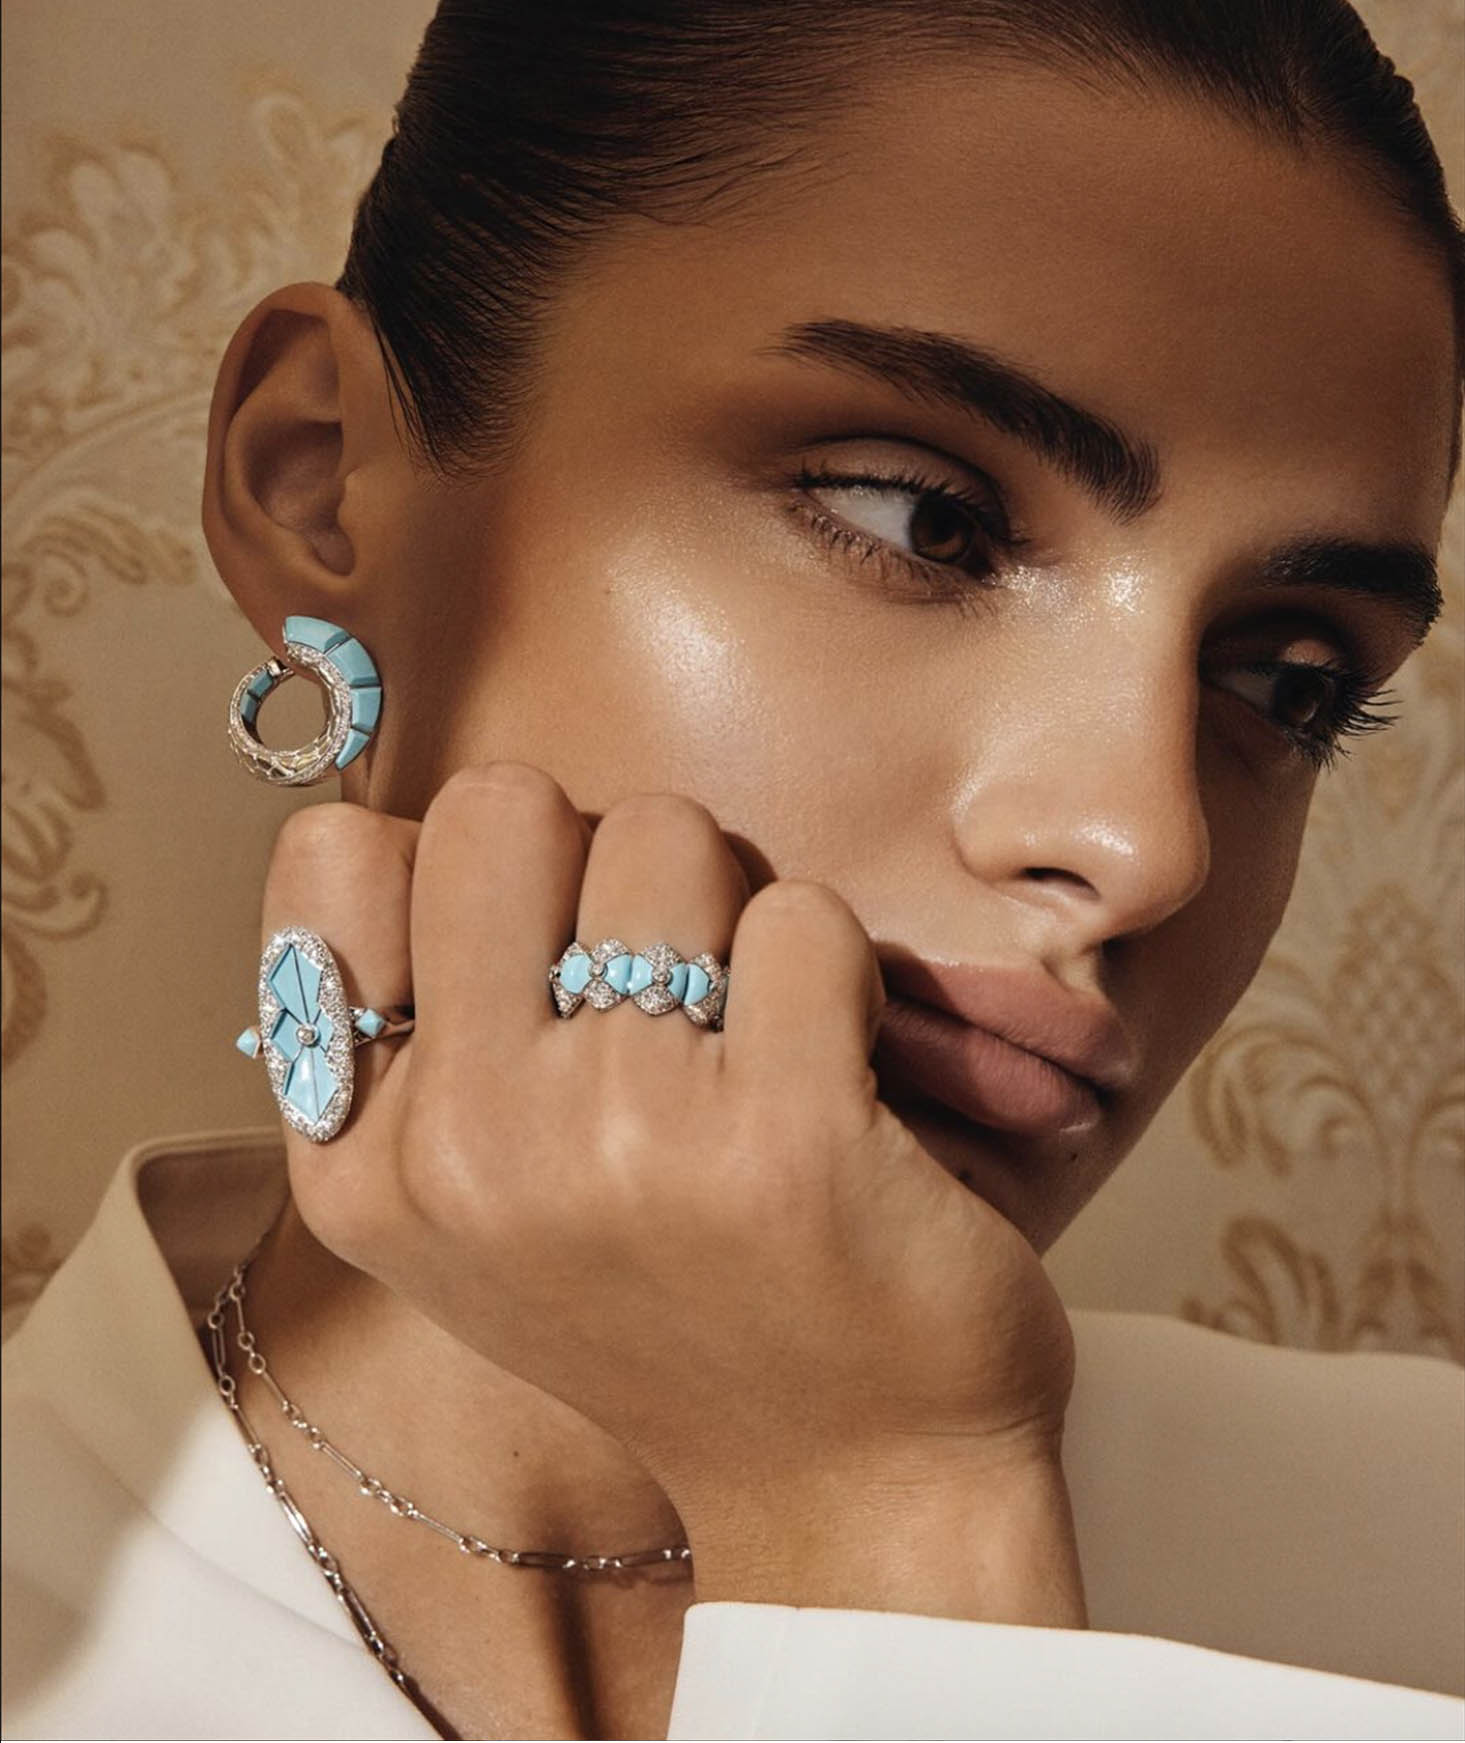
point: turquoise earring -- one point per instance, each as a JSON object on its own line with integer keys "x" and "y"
{"x": 336, "y": 661}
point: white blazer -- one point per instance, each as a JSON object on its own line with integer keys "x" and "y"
{"x": 1272, "y": 1540}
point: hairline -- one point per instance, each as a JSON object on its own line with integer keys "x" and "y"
{"x": 748, "y": 157}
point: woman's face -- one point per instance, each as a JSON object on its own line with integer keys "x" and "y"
{"x": 909, "y": 626}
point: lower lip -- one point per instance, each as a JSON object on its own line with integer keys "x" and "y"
{"x": 980, "y": 1075}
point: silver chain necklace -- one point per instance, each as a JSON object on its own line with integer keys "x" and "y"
{"x": 232, "y": 1294}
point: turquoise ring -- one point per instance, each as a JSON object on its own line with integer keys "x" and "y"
{"x": 658, "y": 979}
{"x": 335, "y": 659}
{"x": 308, "y": 1033}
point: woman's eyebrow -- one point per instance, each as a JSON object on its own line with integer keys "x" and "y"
{"x": 1120, "y": 473}
{"x": 1404, "y": 575}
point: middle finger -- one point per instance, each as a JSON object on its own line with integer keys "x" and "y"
{"x": 661, "y": 870}
{"x": 499, "y": 863}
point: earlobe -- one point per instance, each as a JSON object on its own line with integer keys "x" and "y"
{"x": 297, "y": 408}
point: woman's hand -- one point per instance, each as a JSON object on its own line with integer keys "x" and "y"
{"x": 721, "y": 1247}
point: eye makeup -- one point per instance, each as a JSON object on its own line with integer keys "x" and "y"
{"x": 968, "y": 527}
{"x": 1333, "y": 699}
{"x": 1315, "y": 706}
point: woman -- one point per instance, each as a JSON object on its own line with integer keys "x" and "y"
{"x": 899, "y": 503}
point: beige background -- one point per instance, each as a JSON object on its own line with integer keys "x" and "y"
{"x": 167, "y": 162}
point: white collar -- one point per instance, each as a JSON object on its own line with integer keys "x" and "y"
{"x": 112, "y": 1344}
{"x": 1282, "y": 1472}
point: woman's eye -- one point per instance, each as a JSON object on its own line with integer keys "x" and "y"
{"x": 1314, "y": 706}
{"x": 944, "y": 537}
{"x": 931, "y": 524}
{"x": 952, "y": 543}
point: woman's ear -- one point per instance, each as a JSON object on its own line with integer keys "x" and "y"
{"x": 301, "y": 407}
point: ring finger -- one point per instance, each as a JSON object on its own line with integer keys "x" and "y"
{"x": 660, "y": 870}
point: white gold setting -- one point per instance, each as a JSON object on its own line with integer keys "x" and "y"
{"x": 340, "y": 1050}
{"x": 600, "y": 992}
{"x": 308, "y": 763}
{"x": 707, "y": 1012}
{"x": 656, "y": 999}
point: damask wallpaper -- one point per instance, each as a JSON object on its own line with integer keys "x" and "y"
{"x": 1304, "y": 1185}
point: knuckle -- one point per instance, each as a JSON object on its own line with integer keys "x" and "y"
{"x": 438, "y": 1156}
{"x": 499, "y": 783}
{"x": 319, "y": 830}
{"x": 433, "y": 1183}
{"x": 631, "y": 1137}
{"x": 803, "y": 902}
{"x": 473, "y": 803}
{"x": 673, "y": 815}
{"x": 755, "y": 1133}
{"x": 434, "y": 1125}
{"x": 770, "y": 1175}
{"x": 431, "y": 1179}
{"x": 321, "y": 839}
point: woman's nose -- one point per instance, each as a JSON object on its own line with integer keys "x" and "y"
{"x": 1086, "y": 804}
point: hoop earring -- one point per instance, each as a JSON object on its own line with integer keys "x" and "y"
{"x": 345, "y": 671}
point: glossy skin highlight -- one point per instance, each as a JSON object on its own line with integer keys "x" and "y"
{"x": 1068, "y": 769}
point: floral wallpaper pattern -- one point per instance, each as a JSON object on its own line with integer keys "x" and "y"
{"x": 1306, "y": 1183}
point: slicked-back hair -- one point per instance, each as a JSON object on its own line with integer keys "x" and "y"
{"x": 529, "y": 126}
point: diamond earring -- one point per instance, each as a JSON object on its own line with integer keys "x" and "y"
{"x": 336, "y": 661}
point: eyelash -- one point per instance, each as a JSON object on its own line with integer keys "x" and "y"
{"x": 1348, "y": 716}
{"x": 1351, "y": 691}
{"x": 936, "y": 578}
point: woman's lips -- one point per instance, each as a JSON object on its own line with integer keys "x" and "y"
{"x": 980, "y": 1075}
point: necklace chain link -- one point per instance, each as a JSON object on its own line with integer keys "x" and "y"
{"x": 232, "y": 1294}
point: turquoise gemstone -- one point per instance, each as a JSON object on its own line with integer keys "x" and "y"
{"x": 260, "y": 686}
{"x": 314, "y": 632}
{"x": 575, "y": 973}
{"x": 366, "y": 707}
{"x": 678, "y": 984}
{"x": 310, "y": 1084}
{"x": 356, "y": 742}
{"x": 282, "y": 1034}
{"x": 249, "y": 709}
{"x": 698, "y": 984}
{"x": 370, "y": 1023}
{"x": 249, "y": 1043}
{"x": 640, "y": 977}
{"x": 296, "y": 983}
{"x": 618, "y": 973}
{"x": 353, "y": 662}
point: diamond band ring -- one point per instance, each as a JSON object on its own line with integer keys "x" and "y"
{"x": 658, "y": 979}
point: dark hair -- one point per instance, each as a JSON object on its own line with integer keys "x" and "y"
{"x": 527, "y": 126}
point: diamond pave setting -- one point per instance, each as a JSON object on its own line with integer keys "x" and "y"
{"x": 332, "y": 658}
{"x": 658, "y": 979}
{"x": 300, "y": 989}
